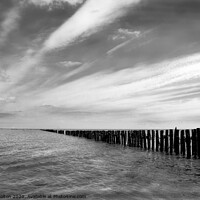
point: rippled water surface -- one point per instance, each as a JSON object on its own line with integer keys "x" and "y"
{"x": 36, "y": 162}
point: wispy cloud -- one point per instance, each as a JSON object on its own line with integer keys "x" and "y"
{"x": 119, "y": 46}
{"x": 91, "y": 17}
{"x": 133, "y": 89}
{"x": 9, "y": 24}
{"x": 7, "y": 99}
{"x": 86, "y": 21}
{"x": 52, "y": 3}
{"x": 69, "y": 64}
{"x": 124, "y": 33}
{"x": 3, "y": 76}
{"x": 128, "y": 36}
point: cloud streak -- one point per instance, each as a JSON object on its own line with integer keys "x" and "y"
{"x": 9, "y": 24}
{"x": 91, "y": 17}
{"x": 52, "y": 3}
{"x": 127, "y": 88}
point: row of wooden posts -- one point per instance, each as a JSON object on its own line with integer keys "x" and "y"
{"x": 172, "y": 141}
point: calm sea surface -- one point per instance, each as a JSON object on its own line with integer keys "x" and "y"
{"x": 36, "y": 162}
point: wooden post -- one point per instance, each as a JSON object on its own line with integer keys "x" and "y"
{"x": 122, "y": 139}
{"x": 188, "y": 143}
{"x": 176, "y": 141}
{"x": 153, "y": 136}
{"x": 166, "y": 141}
{"x": 161, "y": 140}
{"x": 133, "y": 138}
{"x": 118, "y": 137}
{"x": 130, "y": 138}
{"x": 100, "y": 135}
{"x": 105, "y": 136}
{"x": 141, "y": 139}
{"x": 84, "y": 134}
{"x": 97, "y": 132}
{"x": 149, "y": 139}
{"x": 198, "y": 142}
{"x": 126, "y": 137}
{"x": 113, "y": 136}
{"x": 171, "y": 141}
{"x": 182, "y": 143}
{"x": 109, "y": 137}
{"x": 73, "y": 133}
{"x": 135, "y": 134}
{"x": 194, "y": 142}
{"x": 157, "y": 140}
{"x": 138, "y": 139}
{"x": 144, "y": 138}
{"x": 95, "y": 135}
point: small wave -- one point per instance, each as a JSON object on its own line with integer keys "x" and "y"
{"x": 29, "y": 166}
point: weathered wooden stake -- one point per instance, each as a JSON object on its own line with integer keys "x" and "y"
{"x": 171, "y": 141}
{"x": 194, "y": 143}
{"x": 141, "y": 139}
{"x": 153, "y": 136}
{"x": 138, "y": 136}
{"x": 125, "y": 138}
{"x": 118, "y": 137}
{"x": 198, "y": 142}
{"x": 188, "y": 143}
{"x": 134, "y": 139}
{"x": 161, "y": 140}
{"x": 149, "y": 139}
{"x": 182, "y": 143}
{"x": 166, "y": 141}
{"x": 157, "y": 140}
{"x": 176, "y": 142}
{"x": 144, "y": 138}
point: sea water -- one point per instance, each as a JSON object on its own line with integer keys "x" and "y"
{"x": 37, "y": 165}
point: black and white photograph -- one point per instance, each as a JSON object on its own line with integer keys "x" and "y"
{"x": 100, "y": 99}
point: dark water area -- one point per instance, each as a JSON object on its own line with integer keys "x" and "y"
{"x": 37, "y": 162}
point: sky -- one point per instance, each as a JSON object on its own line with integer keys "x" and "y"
{"x": 131, "y": 64}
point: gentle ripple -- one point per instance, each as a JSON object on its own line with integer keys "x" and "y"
{"x": 36, "y": 162}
